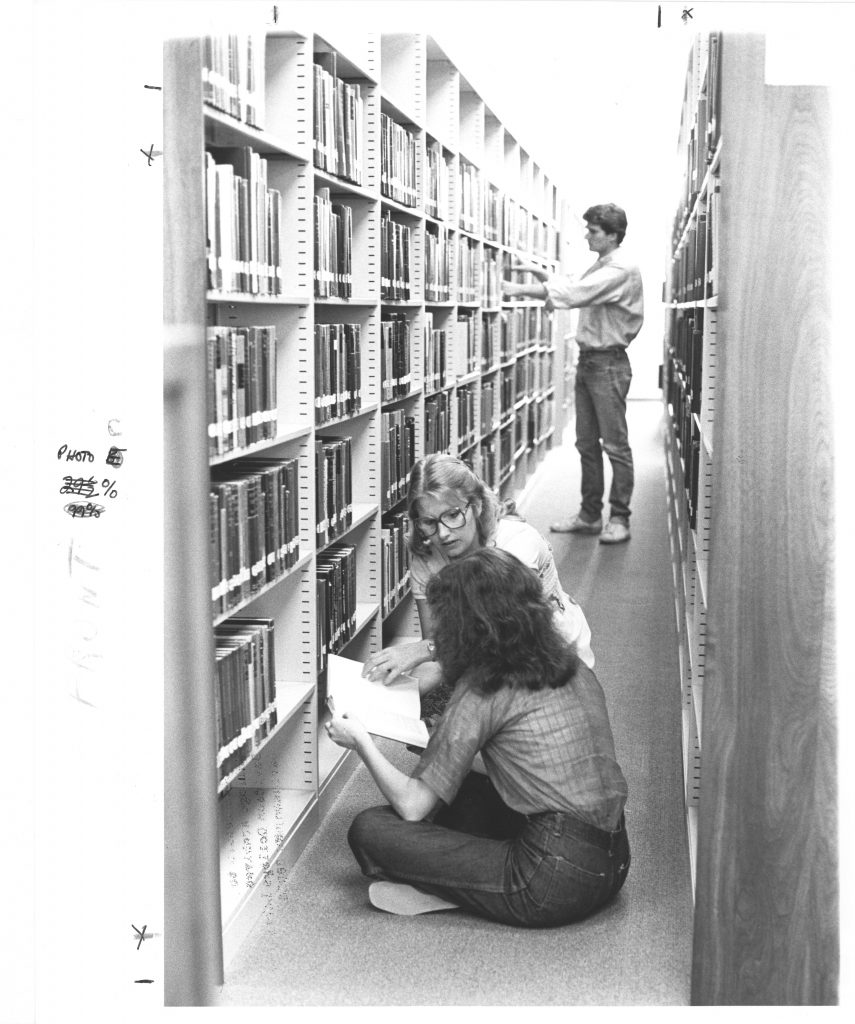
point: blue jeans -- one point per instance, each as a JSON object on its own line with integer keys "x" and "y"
{"x": 534, "y": 871}
{"x": 602, "y": 384}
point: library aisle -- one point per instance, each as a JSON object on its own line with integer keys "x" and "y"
{"x": 320, "y": 943}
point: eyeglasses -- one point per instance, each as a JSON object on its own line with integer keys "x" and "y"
{"x": 451, "y": 519}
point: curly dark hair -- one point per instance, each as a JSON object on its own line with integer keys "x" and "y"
{"x": 493, "y": 623}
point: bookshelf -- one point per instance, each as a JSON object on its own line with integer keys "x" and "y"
{"x": 347, "y": 207}
{"x": 746, "y": 394}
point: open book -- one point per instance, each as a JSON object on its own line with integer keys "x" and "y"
{"x": 391, "y": 711}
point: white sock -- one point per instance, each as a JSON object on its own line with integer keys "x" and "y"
{"x": 400, "y": 898}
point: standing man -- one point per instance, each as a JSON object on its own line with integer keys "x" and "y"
{"x": 611, "y": 311}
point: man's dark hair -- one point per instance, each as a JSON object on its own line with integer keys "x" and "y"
{"x": 493, "y": 624}
{"x": 609, "y": 217}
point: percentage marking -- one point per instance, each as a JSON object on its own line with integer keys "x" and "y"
{"x": 109, "y": 488}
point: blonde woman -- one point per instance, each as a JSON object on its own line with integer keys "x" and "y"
{"x": 452, "y": 512}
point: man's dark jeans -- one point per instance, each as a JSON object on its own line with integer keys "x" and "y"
{"x": 533, "y": 871}
{"x": 602, "y": 384}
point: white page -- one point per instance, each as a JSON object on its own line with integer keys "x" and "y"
{"x": 391, "y": 711}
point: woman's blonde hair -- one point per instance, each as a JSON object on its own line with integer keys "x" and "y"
{"x": 438, "y": 474}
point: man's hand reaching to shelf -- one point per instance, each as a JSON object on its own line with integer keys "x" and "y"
{"x": 520, "y": 267}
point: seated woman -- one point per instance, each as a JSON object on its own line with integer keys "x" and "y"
{"x": 451, "y": 513}
{"x": 540, "y": 839}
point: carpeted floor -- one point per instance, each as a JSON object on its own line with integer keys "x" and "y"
{"x": 328, "y": 947}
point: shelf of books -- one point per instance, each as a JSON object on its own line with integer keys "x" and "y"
{"x": 690, "y": 384}
{"x": 360, "y": 205}
{"x": 689, "y": 389}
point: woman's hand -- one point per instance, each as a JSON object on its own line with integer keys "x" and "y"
{"x": 387, "y": 665}
{"x": 346, "y": 730}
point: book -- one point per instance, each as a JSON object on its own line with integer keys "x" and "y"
{"x": 338, "y": 122}
{"x": 390, "y": 711}
{"x": 395, "y": 278}
{"x": 335, "y": 570}
{"x": 233, "y": 72}
{"x": 243, "y": 223}
{"x": 397, "y": 162}
{"x": 244, "y": 691}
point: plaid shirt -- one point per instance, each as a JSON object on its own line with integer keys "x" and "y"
{"x": 548, "y": 750}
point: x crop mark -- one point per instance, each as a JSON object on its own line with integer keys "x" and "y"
{"x": 141, "y": 934}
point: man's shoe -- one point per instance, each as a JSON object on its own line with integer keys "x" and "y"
{"x": 577, "y": 525}
{"x": 398, "y": 898}
{"x": 615, "y": 532}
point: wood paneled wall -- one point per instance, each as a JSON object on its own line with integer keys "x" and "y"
{"x": 766, "y": 928}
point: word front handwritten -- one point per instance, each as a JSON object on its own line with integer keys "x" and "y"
{"x": 85, "y": 653}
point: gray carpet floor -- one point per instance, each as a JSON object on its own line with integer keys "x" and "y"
{"x": 327, "y": 946}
